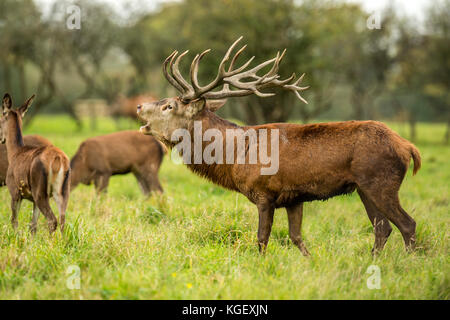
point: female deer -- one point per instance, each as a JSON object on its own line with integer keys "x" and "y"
{"x": 35, "y": 173}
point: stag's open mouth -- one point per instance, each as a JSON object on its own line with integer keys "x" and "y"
{"x": 145, "y": 129}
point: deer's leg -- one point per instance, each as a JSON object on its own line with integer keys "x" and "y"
{"x": 101, "y": 182}
{"x": 386, "y": 200}
{"x": 43, "y": 204}
{"x": 40, "y": 195}
{"x": 34, "y": 220}
{"x": 295, "y": 216}
{"x": 61, "y": 202}
{"x": 62, "y": 206}
{"x": 153, "y": 181}
{"x": 64, "y": 200}
{"x": 381, "y": 225}
{"x": 148, "y": 181}
{"x": 265, "y": 212}
{"x": 15, "y": 207}
{"x": 143, "y": 184}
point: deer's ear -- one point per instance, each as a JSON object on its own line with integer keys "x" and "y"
{"x": 214, "y": 105}
{"x": 195, "y": 107}
{"x": 6, "y": 102}
{"x": 23, "y": 109}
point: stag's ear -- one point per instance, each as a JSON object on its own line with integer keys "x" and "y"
{"x": 195, "y": 107}
{"x": 214, "y": 105}
{"x": 23, "y": 109}
{"x": 6, "y": 103}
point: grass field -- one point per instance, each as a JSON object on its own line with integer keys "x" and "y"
{"x": 198, "y": 241}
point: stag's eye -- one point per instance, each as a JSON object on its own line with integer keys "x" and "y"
{"x": 167, "y": 107}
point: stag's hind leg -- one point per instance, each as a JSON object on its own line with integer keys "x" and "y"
{"x": 295, "y": 216}
{"x": 386, "y": 200}
{"x": 382, "y": 228}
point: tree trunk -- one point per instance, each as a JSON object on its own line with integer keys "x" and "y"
{"x": 357, "y": 103}
{"x": 7, "y": 77}
{"x": 251, "y": 117}
{"x": 22, "y": 81}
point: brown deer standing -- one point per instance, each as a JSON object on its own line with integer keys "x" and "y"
{"x": 29, "y": 140}
{"x": 125, "y": 107}
{"x": 35, "y": 173}
{"x": 98, "y": 158}
{"x": 316, "y": 161}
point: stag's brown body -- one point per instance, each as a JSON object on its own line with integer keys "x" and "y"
{"x": 98, "y": 158}
{"x": 35, "y": 173}
{"x": 28, "y": 140}
{"x": 316, "y": 161}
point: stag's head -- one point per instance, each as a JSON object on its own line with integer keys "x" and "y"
{"x": 165, "y": 116}
{"x": 8, "y": 112}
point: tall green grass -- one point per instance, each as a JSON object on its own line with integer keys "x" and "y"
{"x": 198, "y": 241}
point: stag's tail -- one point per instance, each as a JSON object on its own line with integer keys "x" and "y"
{"x": 415, "y": 154}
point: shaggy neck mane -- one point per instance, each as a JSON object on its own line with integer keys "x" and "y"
{"x": 217, "y": 173}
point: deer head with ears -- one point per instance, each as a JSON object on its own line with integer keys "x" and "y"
{"x": 8, "y": 111}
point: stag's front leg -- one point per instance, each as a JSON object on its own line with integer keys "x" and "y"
{"x": 295, "y": 216}
{"x": 265, "y": 225}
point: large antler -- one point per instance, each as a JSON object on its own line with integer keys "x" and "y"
{"x": 230, "y": 77}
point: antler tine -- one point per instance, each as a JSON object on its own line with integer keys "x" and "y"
{"x": 199, "y": 90}
{"x": 232, "y": 72}
{"x": 230, "y": 68}
{"x": 178, "y": 77}
{"x": 194, "y": 70}
{"x": 254, "y": 70}
{"x": 227, "y": 56}
{"x": 226, "y": 86}
{"x": 169, "y": 77}
{"x": 268, "y": 77}
{"x": 295, "y": 88}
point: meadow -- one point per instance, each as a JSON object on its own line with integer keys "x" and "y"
{"x": 198, "y": 241}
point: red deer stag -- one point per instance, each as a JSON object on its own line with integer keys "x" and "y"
{"x": 316, "y": 161}
{"x": 29, "y": 140}
{"x": 98, "y": 158}
{"x": 35, "y": 173}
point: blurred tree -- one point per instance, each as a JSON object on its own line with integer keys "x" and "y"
{"x": 437, "y": 66}
{"x": 19, "y": 46}
{"x": 400, "y": 65}
{"x": 366, "y": 59}
{"x": 420, "y": 81}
